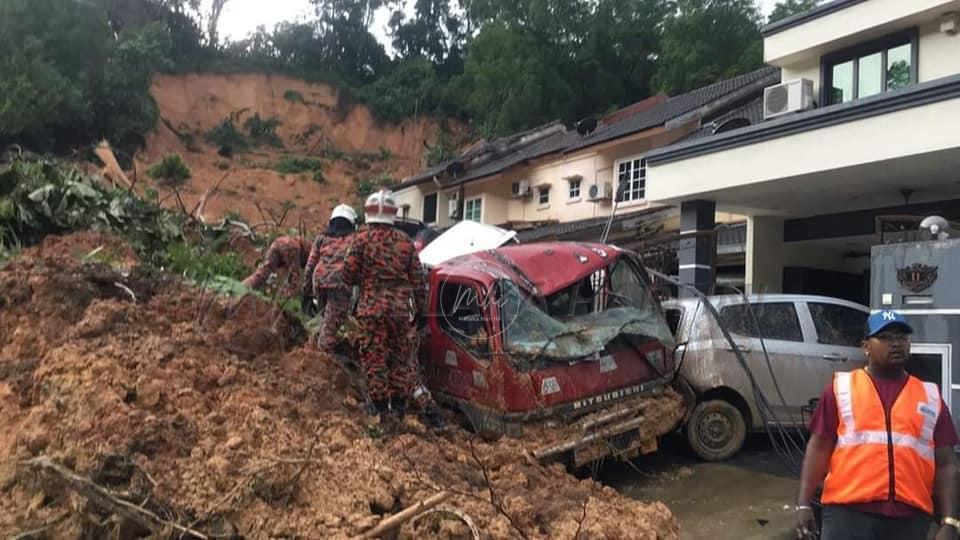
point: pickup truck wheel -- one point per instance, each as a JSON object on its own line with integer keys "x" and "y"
{"x": 716, "y": 430}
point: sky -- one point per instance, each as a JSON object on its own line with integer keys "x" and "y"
{"x": 241, "y": 17}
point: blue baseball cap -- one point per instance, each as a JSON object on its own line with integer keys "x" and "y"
{"x": 881, "y": 320}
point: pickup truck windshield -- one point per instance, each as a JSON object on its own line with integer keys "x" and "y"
{"x": 582, "y": 319}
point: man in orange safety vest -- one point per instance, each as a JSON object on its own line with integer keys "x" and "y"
{"x": 881, "y": 445}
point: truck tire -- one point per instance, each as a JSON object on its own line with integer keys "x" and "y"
{"x": 716, "y": 430}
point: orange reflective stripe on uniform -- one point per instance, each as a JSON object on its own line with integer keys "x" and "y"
{"x": 871, "y": 440}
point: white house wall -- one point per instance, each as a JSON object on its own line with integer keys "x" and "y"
{"x": 931, "y": 128}
{"x": 848, "y": 26}
{"x": 939, "y": 53}
{"x": 412, "y": 196}
{"x": 938, "y": 57}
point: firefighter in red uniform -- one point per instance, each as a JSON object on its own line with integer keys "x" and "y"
{"x": 323, "y": 279}
{"x": 384, "y": 264}
{"x": 285, "y": 258}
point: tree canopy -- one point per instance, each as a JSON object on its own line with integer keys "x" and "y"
{"x": 79, "y": 70}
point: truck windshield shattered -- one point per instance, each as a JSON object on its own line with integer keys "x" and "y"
{"x": 580, "y": 321}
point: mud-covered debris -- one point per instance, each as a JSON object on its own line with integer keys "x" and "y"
{"x": 149, "y": 403}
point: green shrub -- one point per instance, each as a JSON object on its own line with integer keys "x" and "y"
{"x": 48, "y": 198}
{"x": 319, "y": 178}
{"x": 263, "y": 131}
{"x": 365, "y": 186}
{"x": 385, "y": 154}
{"x": 296, "y": 165}
{"x": 171, "y": 171}
{"x": 223, "y": 165}
{"x": 228, "y": 138}
{"x": 198, "y": 264}
{"x": 293, "y": 96}
{"x": 441, "y": 151}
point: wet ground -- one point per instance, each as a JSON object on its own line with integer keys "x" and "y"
{"x": 740, "y": 499}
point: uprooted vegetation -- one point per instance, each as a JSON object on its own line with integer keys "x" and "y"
{"x": 135, "y": 403}
{"x": 39, "y": 197}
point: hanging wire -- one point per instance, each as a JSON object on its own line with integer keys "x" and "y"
{"x": 784, "y": 444}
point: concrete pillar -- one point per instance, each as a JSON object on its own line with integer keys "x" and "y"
{"x": 695, "y": 253}
{"x": 765, "y": 255}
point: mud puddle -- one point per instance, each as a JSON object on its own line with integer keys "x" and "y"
{"x": 740, "y": 499}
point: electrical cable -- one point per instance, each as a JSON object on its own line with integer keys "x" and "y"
{"x": 773, "y": 377}
{"x": 763, "y": 407}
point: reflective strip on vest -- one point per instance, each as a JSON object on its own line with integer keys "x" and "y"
{"x": 930, "y": 410}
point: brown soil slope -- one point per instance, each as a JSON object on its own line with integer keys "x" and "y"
{"x": 216, "y": 418}
{"x": 314, "y": 121}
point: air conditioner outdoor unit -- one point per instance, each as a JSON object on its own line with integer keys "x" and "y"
{"x": 520, "y": 189}
{"x": 788, "y": 97}
{"x": 453, "y": 208}
{"x": 600, "y": 191}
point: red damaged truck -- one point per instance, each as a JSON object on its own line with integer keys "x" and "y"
{"x": 561, "y": 341}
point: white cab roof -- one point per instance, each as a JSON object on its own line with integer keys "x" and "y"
{"x": 464, "y": 238}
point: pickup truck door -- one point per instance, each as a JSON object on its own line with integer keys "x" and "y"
{"x": 460, "y": 346}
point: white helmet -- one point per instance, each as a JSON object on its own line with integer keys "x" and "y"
{"x": 344, "y": 211}
{"x": 381, "y": 208}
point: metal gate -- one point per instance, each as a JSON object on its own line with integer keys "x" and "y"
{"x": 660, "y": 253}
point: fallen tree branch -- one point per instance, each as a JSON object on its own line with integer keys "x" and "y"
{"x": 295, "y": 481}
{"x": 404, "y": 515}
{"x": 32, "y": 533}
{"x": 247, "y": 231}
{"x": 459, "y": 514}
{"x": 197, "y": 211}
{"x": 263, "y": 214}
{"x": 250, "y": 475}
{"x": 583, "y": 518}
{"x": 495, "y": 499}
{"x": 112, "y": 167}
{"x": 126, "y": 289}
{"x": 103, "y": 498}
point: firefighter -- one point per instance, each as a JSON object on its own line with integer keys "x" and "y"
{"x": 285, "y": 258}
{"x": 323, "y": 278}
{"x": 384, "y": 265}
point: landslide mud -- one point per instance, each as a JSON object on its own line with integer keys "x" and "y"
{"x": 218, "y": 418}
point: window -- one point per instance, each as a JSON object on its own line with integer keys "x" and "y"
{"x": 461, "y": 317}
{"x": 778, "y": 320}
{"x": 543, "y": 196}
{"x": 430, "y": 208}
{"x": 633, "y": 173}
{"x": 589, "y": 295}
{"x": 867, "y": 70}
{"x": 838, "y": 325}
{"x": 473, "y": 209}
{"x": 574, "y": 189}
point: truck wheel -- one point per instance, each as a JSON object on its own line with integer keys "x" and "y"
{"x": 716, "y": 430}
